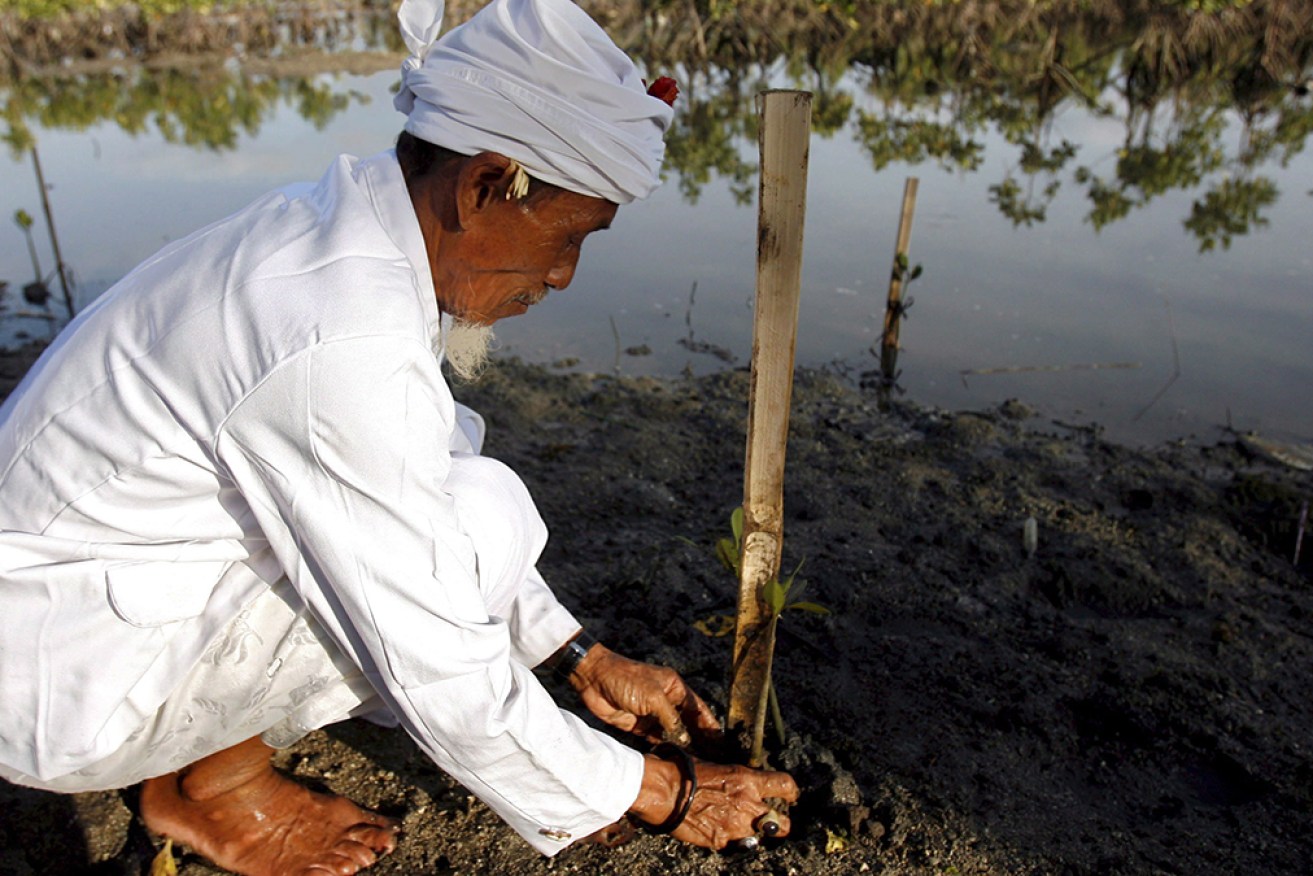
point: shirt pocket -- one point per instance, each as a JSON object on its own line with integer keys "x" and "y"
{"x": 151, "y": 594}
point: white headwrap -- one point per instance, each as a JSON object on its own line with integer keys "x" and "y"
{"x": 540, "y": 82}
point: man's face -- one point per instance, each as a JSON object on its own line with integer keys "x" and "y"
{"x": 515, "y": 254}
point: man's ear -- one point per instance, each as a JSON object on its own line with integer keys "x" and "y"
{"x": 483, "y": 180}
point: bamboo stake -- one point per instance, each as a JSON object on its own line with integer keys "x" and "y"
{"x": 893, "y": 310}
{"x": 50, "y": 224}
{"x": 784, "y": 141}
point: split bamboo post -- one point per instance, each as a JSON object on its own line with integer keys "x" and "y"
{"x": 893, "y": 310}
{"x": 783, "y": 139}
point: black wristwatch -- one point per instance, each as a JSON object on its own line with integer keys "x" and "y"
{"x": 572, "y": 655}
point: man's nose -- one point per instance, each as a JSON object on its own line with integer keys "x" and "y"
{"x": 560, "y": 276}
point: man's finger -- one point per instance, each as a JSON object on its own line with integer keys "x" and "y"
{"x": 699, "y": 714}
{"x": 672, "y": 727}
{"x": 780, "y": 785}
{"x": 674, "y": 731}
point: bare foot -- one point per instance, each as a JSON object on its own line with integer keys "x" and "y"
{"x": 234, "y": 809}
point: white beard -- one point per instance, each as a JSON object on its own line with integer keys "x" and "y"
{"x": 467, "y": 347}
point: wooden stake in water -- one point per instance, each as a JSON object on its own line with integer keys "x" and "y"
{"x": 784, "y": 141}
{"x": 50, "y": 226}
{"x": 893, "y": 311}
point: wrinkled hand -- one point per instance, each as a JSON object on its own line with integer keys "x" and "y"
{"x": 651, "y": 701}
{"x": 728, "y": 804}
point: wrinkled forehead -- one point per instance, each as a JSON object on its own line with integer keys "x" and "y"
{"x": 583, "y": 214}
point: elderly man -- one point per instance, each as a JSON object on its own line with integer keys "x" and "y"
{"x": 238, "y": 501}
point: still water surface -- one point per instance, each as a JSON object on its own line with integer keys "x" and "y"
{"x": 1200, "y": 338}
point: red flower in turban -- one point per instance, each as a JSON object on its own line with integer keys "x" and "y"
{"x": 664, "y": 89}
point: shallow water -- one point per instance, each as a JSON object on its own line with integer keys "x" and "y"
{"x": 1199, "y": 338}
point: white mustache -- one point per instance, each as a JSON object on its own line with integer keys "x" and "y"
{"x": 532, "y": 298}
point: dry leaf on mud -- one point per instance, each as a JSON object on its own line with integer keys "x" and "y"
{"x": 164, "y": 865}
{"x": 715, "y": 625}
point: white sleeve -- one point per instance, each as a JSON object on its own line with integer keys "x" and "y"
{"x": 335, "y": 453}
{"x": 539, "y": 624}
{"x": 469, "y": 432}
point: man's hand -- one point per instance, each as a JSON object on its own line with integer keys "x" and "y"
{"x": 651, "y": 701}
{"x": 728, "y": 806}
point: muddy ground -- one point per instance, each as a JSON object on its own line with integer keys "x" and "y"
{"x": 1136, "y": 697}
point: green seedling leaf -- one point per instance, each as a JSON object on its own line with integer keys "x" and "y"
{"x": 788, "y": 585}
{"x": 774, "y": 595}
{"x": 901, "y": 261}
{"x": 796, "y": 586}
{"x": 916, "y": 272}
{"x": 728, "y": 554}
{"x": 23, "y": 218}
{"x": 688, "y": 541}
{"x": 736, "y": 524}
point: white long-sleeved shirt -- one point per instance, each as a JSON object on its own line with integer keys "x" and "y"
{"x": 262, "y": 399}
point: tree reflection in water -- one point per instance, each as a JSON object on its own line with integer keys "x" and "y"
{"x": 913, "y": 82}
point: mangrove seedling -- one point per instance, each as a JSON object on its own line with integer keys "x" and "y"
{"x": 778, "y": 597}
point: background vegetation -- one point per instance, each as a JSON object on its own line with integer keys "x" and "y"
{"x": 936, "y": 76}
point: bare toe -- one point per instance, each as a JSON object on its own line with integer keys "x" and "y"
{"x": 381, "y": 839}
{"x": 338, "y": 863}
{"x": 360, "y": 853}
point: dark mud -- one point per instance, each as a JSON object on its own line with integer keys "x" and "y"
{"x": 1134, "y": 697}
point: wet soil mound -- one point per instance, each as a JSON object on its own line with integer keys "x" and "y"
{"x": 1133, "y": 696}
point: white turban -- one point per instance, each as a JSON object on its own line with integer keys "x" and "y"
{"x": 540, "y": 82}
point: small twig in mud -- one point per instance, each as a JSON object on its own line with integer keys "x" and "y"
{"x": 688, "y": 314}
{"x": 711, "y": 349}
{"x": 1299, "y": 531}
{"x": 695, "y": 346}
{"x": 1176, "y": 366}
{"x": 1026, "y": 369}
{"x": 615, "y": 333}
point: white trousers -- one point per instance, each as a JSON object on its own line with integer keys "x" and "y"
{"x": 272, "y": 673}
{"x": 275, "y": 673}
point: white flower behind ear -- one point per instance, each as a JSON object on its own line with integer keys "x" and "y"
{"x": 519, "y": 186}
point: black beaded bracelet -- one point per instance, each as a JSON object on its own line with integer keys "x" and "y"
{"x": 572, "y": 655}
{"x": 688, "y": 775}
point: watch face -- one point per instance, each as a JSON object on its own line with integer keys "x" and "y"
{"x": 574, "y": 653}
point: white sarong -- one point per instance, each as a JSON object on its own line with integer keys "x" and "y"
{"x": 272, "y": 673}
{"x": 275, "y": 673}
